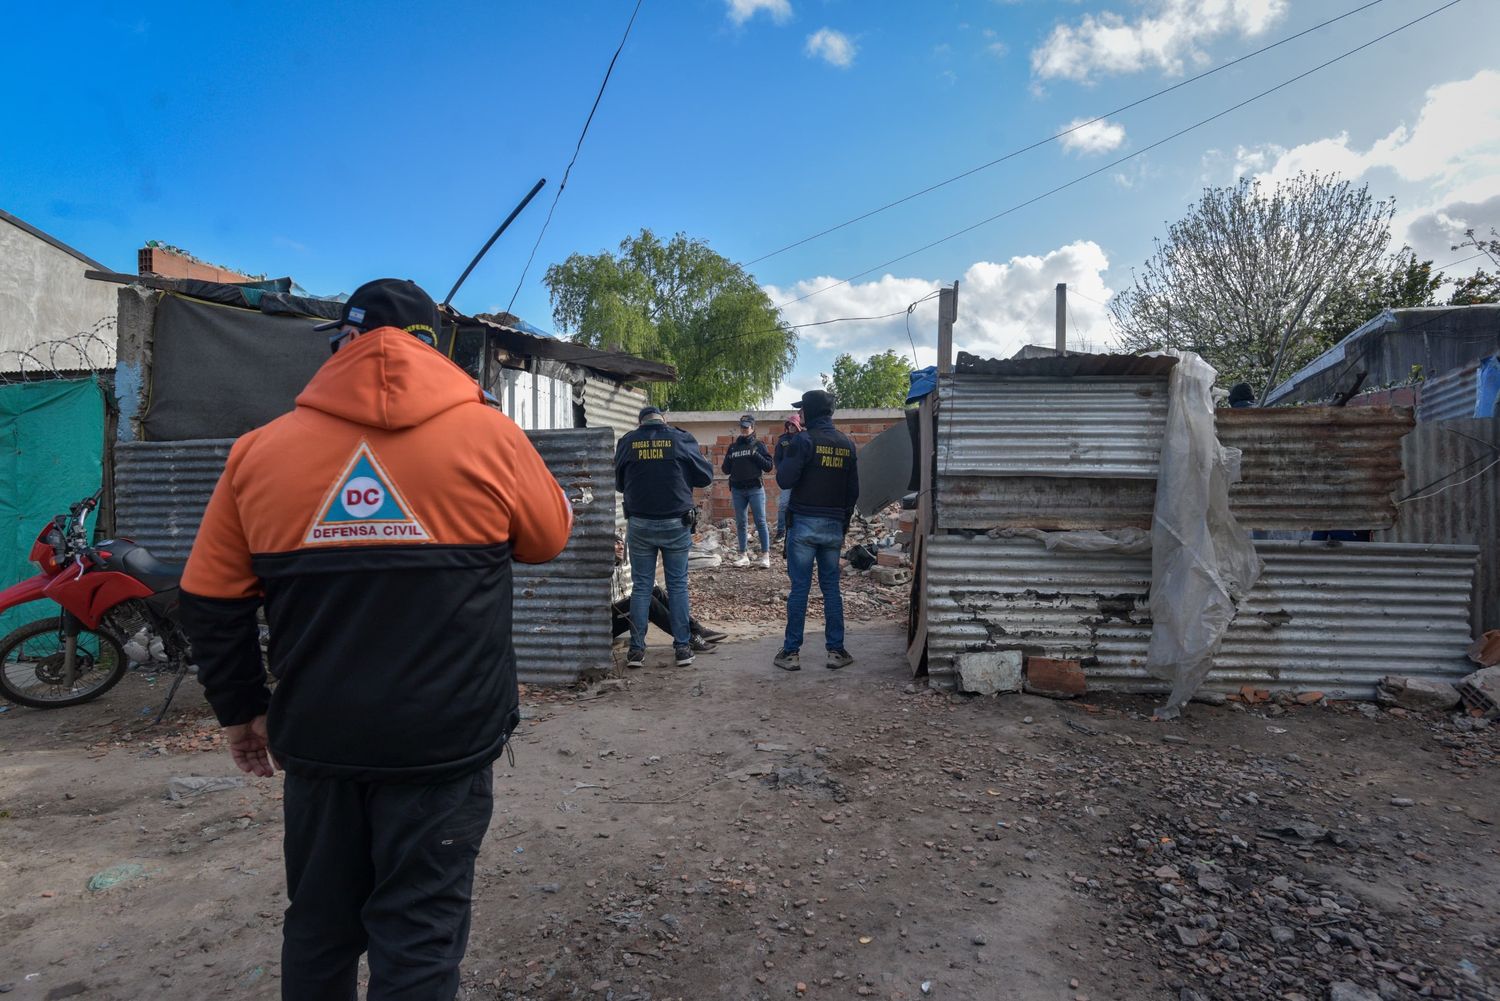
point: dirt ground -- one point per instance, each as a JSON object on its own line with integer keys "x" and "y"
{"x": 729, "y": 831}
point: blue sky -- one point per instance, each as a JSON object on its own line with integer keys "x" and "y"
{"x": 334, "y": 146}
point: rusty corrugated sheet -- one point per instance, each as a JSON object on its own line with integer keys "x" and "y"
{"x": 1450, "y": 497}
{"x": 1451, "y": 395}
{"x": 560, "y": 609}
{"x": 1303, "y": 468}
{"x": 1081, "y": 427}
{"x": 1324, "y": 616}
{"x": 1316, "y": 467}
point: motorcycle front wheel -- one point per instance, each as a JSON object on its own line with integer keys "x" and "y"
{"x": 43, "y": 667}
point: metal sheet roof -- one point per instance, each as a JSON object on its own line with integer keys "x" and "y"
{"x": 1078, "y": 427}
{"x": 1316, "y": 467}
{"x": 560, "y": 608}
{"x": 1324, "y": 616}
{"x": 1055, "y": 503}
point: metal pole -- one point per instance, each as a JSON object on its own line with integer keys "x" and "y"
{"x": 491, "y": 241}
{"x": 947, "y": 314}
{"x": 1062, "y": 318}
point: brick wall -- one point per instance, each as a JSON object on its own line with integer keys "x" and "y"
{"x": 720, "y": 505}
{"x": 156, "y": 261}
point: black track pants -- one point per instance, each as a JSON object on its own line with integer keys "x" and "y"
{"x": 385, "y": 868}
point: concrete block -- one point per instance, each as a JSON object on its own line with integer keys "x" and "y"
{"x": 989, "y": 672}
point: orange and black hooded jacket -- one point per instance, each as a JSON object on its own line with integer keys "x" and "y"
{"x": 377, "y": 523}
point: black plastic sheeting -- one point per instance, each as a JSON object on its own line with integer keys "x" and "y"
{"x": 885, "y": 466}
{"x": 218, "y": 371}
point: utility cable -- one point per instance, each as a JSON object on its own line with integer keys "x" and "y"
{"x": 1129, "y": 156}
{"x": 1066, "y": 132}
{"x": 587, "y": 122}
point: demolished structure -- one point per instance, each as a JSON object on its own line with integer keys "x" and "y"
{"x": 1093, "y": 508}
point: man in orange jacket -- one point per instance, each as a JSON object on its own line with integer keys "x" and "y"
{"x": 376, "y": 523}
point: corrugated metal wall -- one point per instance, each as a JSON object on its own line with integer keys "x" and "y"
{"x": 1329, "y": 617}
{"x": 161, "y": 489}
{"x": 1303, "y": 468}
{"x": 1438, "y": 506}
{"x": 617, "y": 407}
{"x": 561, "y": 608}
{"x": 1316, "y": 467}
{"x": 1085, "y": 427}
{"x": 1451, "y": 395}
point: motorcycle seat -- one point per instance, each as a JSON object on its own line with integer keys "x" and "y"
{"x": 154, "y": 573}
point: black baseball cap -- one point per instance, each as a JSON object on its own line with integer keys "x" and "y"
{"x": 747, "y": 421}
{"x": 646, "y": 413}
{"x": 390, "y": 302}
{"x": 815, "y": 402}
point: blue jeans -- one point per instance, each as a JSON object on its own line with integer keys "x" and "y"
{"x": 645, "y": 537}
{"x": 782, "y": 503}
{"x": 755, "y": 499}
{"x": 814, "y": 540}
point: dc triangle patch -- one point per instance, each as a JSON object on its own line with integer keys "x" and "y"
{"x": 364, "y": 505}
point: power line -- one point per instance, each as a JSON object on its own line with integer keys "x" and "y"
{"x": 1129, "y": 156}
{"x": 586, "y": 123}
{"x": 1066, "y": 132}
{"x": 1466, "y": 260}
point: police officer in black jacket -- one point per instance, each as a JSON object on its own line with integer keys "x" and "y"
{"x": 656, "y": 469}
{"x": 820, "y": 466}
{"x": 746, "y": 460}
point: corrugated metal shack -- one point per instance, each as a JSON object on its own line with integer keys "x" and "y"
{"x": 174, "y": 439}
{"x": 1073, "y": 442}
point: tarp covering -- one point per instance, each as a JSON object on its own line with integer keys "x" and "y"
{"x": 1203, "y": 563}
{"x": 51, "y": 454}
{"x": 218, "y": 371}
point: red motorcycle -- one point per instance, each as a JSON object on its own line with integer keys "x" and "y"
{"x": 116, "y": 599}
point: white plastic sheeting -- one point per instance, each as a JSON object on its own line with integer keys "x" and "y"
{"x": 1203, "y": 563}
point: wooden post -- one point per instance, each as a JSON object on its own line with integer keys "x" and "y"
{"x": 947, "y": 314}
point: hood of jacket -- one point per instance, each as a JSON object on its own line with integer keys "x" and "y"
{"x": 388, "y": 379}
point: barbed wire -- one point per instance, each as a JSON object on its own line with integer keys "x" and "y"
{"x": 62, "y": 357}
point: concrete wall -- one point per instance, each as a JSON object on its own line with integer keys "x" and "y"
{"x": 44, "y": 297}
{"x": 716, "y": 431}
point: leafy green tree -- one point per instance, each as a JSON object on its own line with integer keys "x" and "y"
{"x": 1480, "y": 287}
{"x": 1246, "y": 263}
{"x": 878, "y": 381}
{"x": 681, "y": 303}
{"x": 1402, "y": 282}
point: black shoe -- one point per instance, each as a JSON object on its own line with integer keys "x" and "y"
{"x": 839, "y": 658}
{"x": 701, "y": 645}
{"x": 635, "y": 658}
{"x": 712, "y": 635}
{"x": 684, "y": 654}
{"x": 788, "y": 660}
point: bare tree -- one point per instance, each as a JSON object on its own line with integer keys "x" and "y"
{"x": 1245, "y": 266}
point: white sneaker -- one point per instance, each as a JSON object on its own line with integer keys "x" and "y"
{"x": 743, "y": 560}
{"x": 765, "y": 561}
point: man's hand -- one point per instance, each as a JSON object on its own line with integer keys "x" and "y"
{"x": 249, "y": 747}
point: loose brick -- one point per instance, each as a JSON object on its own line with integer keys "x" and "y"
{"x": 1057, "y": 679}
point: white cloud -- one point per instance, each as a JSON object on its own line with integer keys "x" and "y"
{"x": 1093, "y": 138}
{"x": 741, "y": 11}
{"x": 998, "y": 49}
{"x": 1166, "y": 38}
{"x": 1001, "y": 307}
{"x": 833, "y": 47}
{"x": 1452, "y": 153}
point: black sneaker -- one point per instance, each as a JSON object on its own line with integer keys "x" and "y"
{"x": 788, "y": 660}
{"x": 713, "y": 635}
{"x": 701, "y": 645}
{"x": 839, "y": 658}
{"x": 635, "y": 658}
{"x": 684, "y": 652}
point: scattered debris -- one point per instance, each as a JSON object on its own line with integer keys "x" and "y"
{"x": 187, "y": 786}
{"x": 1481, "y": 692}
{"x": 106, "y": 879}
{"x": 1486, "y": 650}
{"x": 1418, "y": 695}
